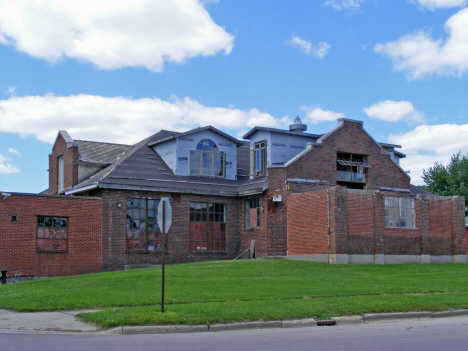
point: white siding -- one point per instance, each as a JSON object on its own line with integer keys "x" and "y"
{"x": 167, "y": 151}
{"x": 285, "y": 146}
{"x": 176, "y": 153}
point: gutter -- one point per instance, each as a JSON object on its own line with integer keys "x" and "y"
{"x": 79, "y": 190}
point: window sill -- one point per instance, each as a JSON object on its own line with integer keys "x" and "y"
{"x": 51, "y": 251}
{"x": 208, "y": 252}
{"x": 400, "y": 228}
{"x": 159, "y": 252}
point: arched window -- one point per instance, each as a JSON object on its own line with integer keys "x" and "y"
{"x": 206, "y": 160}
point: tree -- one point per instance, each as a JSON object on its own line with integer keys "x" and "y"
{"x": 448, "y": 180}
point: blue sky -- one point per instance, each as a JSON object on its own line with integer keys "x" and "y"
{"x": 119, "y": 71}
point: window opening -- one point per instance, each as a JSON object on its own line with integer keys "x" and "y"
{"x": 258, "y": 159}
{"x": 52, "y": 234}
{"x": 60, "y": 174}
{"x": 252, "y": 213}
{"x": 351, "y": 170}
{"x": 399, "y": 212}
{"x": 206, "y": 160}
{"x": 207, "y": 227}
{"x": 143, "y": 232}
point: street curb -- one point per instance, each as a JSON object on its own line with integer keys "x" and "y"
{"x": 373, "y": 317}
{"x": 297, "y": 323}
{"x": 294, "y": 323}
{"x": 245, "y": 325}
{"x": 348, "y": 320}
{"x": 161, "y": 329}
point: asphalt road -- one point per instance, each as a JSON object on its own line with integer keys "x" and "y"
{"x": 430, "y": 334}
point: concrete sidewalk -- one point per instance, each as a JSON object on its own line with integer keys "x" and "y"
{"x": 44, "y": 321}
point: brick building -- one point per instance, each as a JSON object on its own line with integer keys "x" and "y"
{"x": 340, "y": 197}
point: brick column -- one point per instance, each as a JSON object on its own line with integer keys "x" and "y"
{"x": 422, "y": 207}
{"x": 379, "y": 226}
{"x": 458, "y": 229}
{"x": 338, "y": 225}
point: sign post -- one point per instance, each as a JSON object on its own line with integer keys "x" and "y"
{"x": 164, "y": 221}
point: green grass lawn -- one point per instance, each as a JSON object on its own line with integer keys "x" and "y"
{"x": 228, "y": 291}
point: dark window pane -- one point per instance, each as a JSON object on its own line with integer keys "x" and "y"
{"x": 56, "y": 222}
{"x": 48, "y": 222}
{"x": 40, "y": 222}
{"x": 203, "y": 216}
{"x": 207, "y": 145}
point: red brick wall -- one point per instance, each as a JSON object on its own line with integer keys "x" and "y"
{"x": 114, "y": 253}
{"x": 320, "y": 163}
{"x": 308, "y": 223}
{"x": 259, "y": 234}
{"x": 360, "y": 223}
{"x": 440, "y": 224}
{"x": 277, "y": 212}
{"x": 18, "y": 239}
{"x": 357, "y": 225}
{"x": 70, "y": 156}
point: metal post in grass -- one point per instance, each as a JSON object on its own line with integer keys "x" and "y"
{"x": 164, "y": 218}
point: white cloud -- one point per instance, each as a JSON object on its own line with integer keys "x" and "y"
{"x": 6, "y": 168}
{"x": 437, "y": 4}
{"x": 317, "y": 115}
{"x": 113, "y": 34}
{"x": 394, "y": 111}
{"x": 427, "y": 144}
{"x": 319, "y": 50}
{"x": 118, "y": 119}
{"x": 421, "y": 55}
{"x": 344, "y": 4}
{"x": 11, "y": 90}
{"x": 14, "y": 151}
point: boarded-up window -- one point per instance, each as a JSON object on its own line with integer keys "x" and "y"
{"x": 52, "y": 234}
{"x": 399, "y": 212}
{"x": 252, "y": 213}
{"x": 143, "y": 233}
{"x": 207, "y": 227}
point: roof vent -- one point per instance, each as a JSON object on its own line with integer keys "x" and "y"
{"x": 297, "y": 126}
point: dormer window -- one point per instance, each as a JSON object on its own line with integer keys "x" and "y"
{"x": 206, "y": 160}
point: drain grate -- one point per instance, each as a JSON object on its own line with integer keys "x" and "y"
{"x": 325, "y": 323}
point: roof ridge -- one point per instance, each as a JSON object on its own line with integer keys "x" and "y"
{"x": 103, "y": 142}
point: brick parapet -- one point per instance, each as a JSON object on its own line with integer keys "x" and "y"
{"x": 70, "y": 158}
{"x": 320, "y": 162}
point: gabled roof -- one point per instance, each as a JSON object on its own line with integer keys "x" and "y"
{"x": 91, "y": 152}
{"x": 256, "y": 129}
{"x": 196, "y": 130}
{"x": 68, "y": 139}
{"x": 141, "y": 168}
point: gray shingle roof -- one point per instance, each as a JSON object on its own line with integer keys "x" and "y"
{"x": 140, "y": 167}
{"x": 99, "y": 153}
